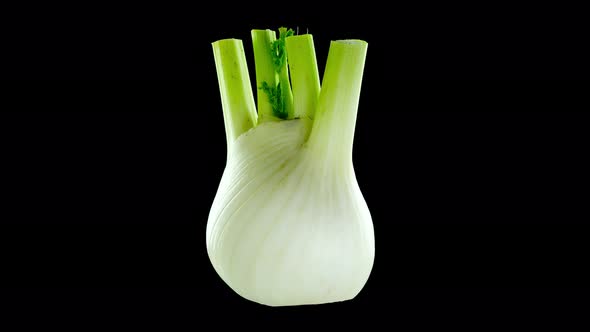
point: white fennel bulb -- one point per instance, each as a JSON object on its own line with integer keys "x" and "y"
{"x": 289, "y": 224}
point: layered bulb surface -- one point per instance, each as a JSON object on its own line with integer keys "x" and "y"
{"x": 289, "y": 224}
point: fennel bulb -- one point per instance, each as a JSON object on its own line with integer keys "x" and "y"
{"x": 289, "y": 224}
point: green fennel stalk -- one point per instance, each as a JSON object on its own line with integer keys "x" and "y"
{"x": 288, "y": 86}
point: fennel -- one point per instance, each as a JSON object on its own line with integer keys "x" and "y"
{"x": 289, "y": 224}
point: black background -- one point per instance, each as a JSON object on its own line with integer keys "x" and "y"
{"x": 470, "y": 151}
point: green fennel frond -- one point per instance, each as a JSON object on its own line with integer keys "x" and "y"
{"x": 279, "y": 50}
